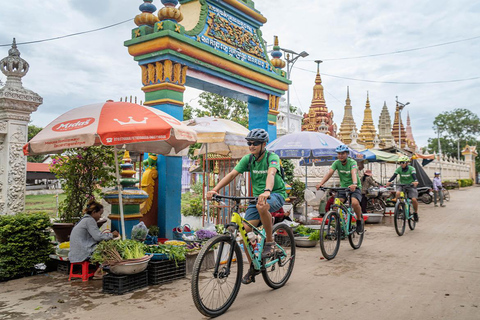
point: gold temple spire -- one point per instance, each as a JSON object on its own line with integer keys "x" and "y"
{"x": 367, "y": 132}
{"x": 348, "y": 123}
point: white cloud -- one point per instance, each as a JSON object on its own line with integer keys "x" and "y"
{"x": 96, "y": 67}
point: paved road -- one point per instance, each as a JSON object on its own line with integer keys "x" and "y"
{"x": 430, "y": 273}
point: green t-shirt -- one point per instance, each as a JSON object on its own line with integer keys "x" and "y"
{"x": 259, "y": 173}
{"x": 406, "y": 176}
{"x": 345, "y": 172}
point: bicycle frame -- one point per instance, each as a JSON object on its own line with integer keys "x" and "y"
{"x": 344, "y": 220}
{"x": 238, "y": 222}
{"x": 407, "y": 202}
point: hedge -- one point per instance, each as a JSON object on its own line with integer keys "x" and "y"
{"x": 24, "y": 242}
{"x": 465, "y": 182}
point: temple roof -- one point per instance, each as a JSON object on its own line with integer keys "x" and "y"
{"x": 318, "y": 117}
{"x": 395, "y": 131}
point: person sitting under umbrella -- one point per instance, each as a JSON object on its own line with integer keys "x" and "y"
{"x": 367, "y": 182}
{"x": 86, "y": 235}
{"x": 267, "y": 185}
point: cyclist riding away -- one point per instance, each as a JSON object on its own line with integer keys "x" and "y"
{"x": 408, "y": 176}
{"x": 348, "y": 174}
{"x": 268, "y": 186}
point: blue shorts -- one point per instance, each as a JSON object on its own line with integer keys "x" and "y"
{"x": 276, "y": 202}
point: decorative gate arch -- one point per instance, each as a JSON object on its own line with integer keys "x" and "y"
{"x": 211, "y": 45}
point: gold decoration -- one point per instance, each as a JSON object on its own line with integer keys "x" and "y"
{"x": 177, "y": 28}
{"x": 144, "y": 75}
{"x": 160, "y": 26}
{"x": 137, "y": 33}
{"x": 151, "y": 73}
{"x": 145, "y": 18}
{"x": 367, "y": 131}
{"x": 159, "y": 70}
{"x": 216, "y": 168}
{"x": 164, "y": 72}
{"x": 170, "y": 13}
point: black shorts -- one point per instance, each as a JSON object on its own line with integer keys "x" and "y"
{"x": 357, "y": 194}
{"x": 411, "y": 192}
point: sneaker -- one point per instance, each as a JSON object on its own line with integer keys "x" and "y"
{"x": 442, "y": 205}
{"x": 437, "y": 205}
{"x": 249, "y": 277}
{"x": 359, "y": 228}
{"x": 415, "y": 216}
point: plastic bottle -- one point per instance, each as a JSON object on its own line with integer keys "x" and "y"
{"x": 253, "y": 241}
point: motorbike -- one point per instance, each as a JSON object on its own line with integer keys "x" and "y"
{"x": 425, "y": 194}
{"x": 377, "y": 199}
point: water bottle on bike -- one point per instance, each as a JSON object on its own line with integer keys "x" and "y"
{"x": 253, "y": 241}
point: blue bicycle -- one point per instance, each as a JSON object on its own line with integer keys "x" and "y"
{"x": 402, "y": 212}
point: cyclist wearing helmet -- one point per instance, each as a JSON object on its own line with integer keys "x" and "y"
{"x": 268, "y": 186}
{"x": 347, "y": 172}
{"x": 408, "y": 175}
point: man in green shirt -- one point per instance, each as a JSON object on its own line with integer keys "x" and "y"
{"x": 268, "y": 186}
{"x": 348, "y": 174}
{"x": 408, "y": 176}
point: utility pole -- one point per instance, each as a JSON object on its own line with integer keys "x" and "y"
{"x": 400, "y": 108}
{"x": 291, "y": 57}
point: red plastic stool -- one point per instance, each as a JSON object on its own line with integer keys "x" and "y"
{"x": 84, "y": 274}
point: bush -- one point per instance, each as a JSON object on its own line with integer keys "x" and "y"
{"x": 192, "y": 205}
{"x": 465, "y": 182}
{"x": 24, "y": 242}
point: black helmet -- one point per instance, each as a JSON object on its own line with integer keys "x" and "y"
{"x": 257, "y": 135}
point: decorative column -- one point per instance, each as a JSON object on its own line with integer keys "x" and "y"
{"x": 470, "y": 153}
{"x": 132, "y": 198}
{"x": 164, "y": 84}
{"x": 16, "y": 105}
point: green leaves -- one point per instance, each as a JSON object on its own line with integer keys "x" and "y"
{"x": 83, "y": 172}
{"x": 24, "y": 242}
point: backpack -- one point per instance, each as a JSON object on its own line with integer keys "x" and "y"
{"x": 281, "y": 172}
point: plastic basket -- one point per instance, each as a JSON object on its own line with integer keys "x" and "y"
{"x": 179, "y": 231}
{"x": 165, "y": 271}
{"x": 373, "y": 192}
{"x": 120, "y": 284}
{"x": 63, "y": 267}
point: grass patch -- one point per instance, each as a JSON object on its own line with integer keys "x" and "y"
{"x": 43, "y": 202}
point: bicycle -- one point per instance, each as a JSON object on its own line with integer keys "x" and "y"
{"x": 337, "y": 224}
{"x": 402, "y": 212}
{"x": 446, "y": 194}
{"x": 216, "y": 281}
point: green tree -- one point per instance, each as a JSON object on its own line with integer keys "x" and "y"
{"x": 83, "y": 172}
{"x": 32, "y": 132}
{"x": 188, "y": 112}
{"x": 214, "y": 105}
{"x": 288, "y": 168}
{"x": 459, "y": 126}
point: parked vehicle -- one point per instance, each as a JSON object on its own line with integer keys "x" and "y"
{"x": 425, "y": 194}
{"x": 377, "y": 197}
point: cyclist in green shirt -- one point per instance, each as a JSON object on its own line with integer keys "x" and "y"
{"x": 348, "y": 174}
{"x": 408, "y": 176}
{"x": 268, "y": 186}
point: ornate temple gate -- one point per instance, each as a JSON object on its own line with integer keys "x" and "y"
{"x": 211, "y": 45}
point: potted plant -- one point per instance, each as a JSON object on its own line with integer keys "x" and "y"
{"x": 83, "y": 172}
{"x": 297, "y": 193}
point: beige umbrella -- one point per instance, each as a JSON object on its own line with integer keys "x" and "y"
{"x": 219, "y": 136}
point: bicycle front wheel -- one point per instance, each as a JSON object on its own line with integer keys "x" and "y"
{"x": 214, "y": 285}
{"x": 399, "y": 218}
{"x": 354, "y": 238}
{"x": 330, "y": 235}
{"x": 446, "y": 195}
{"x": 276, "y": 275}
{"x": 411, "y": 222}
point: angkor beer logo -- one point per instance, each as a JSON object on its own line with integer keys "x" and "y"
{"x": 73, "y": 124}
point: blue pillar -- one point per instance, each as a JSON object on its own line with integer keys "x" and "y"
{"x": 258, "y": 114}
{"x": 169, "y": 183}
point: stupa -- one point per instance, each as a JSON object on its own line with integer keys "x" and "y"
{"x": 318, "y": 114}
{"x": 367, "y": 131}
{"x": 395, "y": 130}
{"x": 348, "y": 123}
{"x": 385, "y": 128}
{"x": 410, "y": 140}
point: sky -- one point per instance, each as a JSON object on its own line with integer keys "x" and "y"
{"x": 95, "y": 67}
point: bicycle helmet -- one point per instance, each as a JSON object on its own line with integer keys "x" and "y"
{"x": 342, "y": 148}
{"x": 403, "y": 159}
{"x": 257, "y": 135}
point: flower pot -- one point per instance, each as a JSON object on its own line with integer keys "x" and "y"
{"x": 62, "y": 231}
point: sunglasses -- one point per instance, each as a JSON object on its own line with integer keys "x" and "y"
{"x": 403, "y": 162}
{"x": 255, "y": 143}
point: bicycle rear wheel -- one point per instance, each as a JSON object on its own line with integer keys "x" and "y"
{"x": 399, "y": 218}
{"x": 330, "y": 235}
{"x": 214, "y": 287}
{"x": 354, "y": 238}
{"x": 276, "y": 275}
{"x": 446, "y": 195}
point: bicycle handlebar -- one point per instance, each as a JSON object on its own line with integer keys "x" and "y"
{"x": 217, "y": 197}
{"x": 334, "y": 189}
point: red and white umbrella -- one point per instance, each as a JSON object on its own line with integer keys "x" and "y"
{"x": 140, "y": 128}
